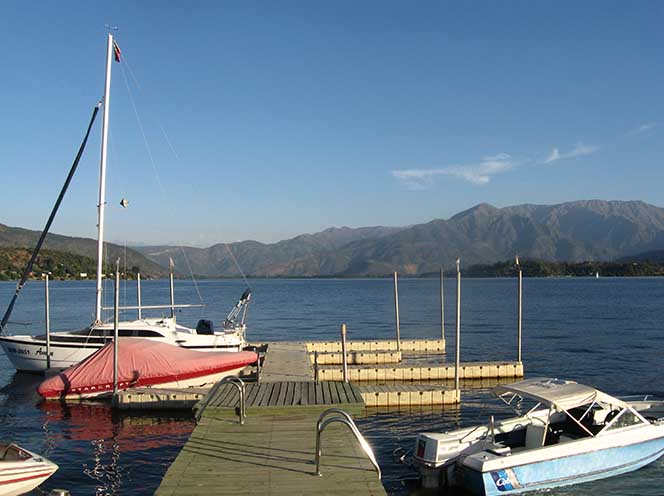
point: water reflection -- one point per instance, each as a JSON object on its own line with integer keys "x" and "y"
{"x": 110, "y": 444}
{"x": 99, "y": 451}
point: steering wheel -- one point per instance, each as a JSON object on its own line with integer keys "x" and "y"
{"x": 611, "y": 415}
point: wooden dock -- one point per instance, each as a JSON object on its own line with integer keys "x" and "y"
{"x": 287, "y": 362}
{"x": 272, "y": 453}
{"x": 270, "y": 394}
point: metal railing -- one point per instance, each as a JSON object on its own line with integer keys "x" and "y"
{"x": 235, "y": 381}
{"x": 344, "y": 418}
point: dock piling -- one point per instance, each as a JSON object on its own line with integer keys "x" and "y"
{"x": 316, "y": 367}
{"x": 396, "y": 311}
{"x": 170, "y": 277}
{"x": 457, "y": 362}
{"x": 343, "y": 352}
{"x": 519, "y": 309}
{"x": 138, "y": 295}
{"x": 47, "y": 317}
{"x": 442, "y": 307}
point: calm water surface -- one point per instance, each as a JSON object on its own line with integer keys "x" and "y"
{"x": 606, "y": 332}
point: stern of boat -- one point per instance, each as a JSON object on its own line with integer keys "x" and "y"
{"x": 436, "y": 456}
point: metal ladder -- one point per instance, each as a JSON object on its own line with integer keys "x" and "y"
{"x": 344, "y": 418}
{"x": 235, "y": 381}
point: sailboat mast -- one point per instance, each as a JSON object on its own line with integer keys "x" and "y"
{"x": 102, "y": 178}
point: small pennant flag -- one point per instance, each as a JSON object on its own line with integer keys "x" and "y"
{"x": 116, "y": 51}
{"x": 171, "y": 263}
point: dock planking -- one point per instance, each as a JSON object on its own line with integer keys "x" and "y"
{"x": 287, "y": 394}
{"x": 287, "y": 362}
{"x": 271, "y": 454}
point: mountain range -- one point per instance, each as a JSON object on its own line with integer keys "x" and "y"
{"x": 573, "y": 232}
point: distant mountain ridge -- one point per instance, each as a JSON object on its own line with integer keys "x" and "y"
{"x": 573, "y": 231}
{"x": 17, "y": 237}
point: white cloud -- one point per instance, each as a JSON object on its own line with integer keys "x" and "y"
{"x": 553, "y": 156}
{"x": 643, "y": 128}
{"x": 579, "y": 150}
{"x": 480, "y": 173}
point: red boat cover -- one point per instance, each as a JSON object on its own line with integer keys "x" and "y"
{"x": 141, "y": 362}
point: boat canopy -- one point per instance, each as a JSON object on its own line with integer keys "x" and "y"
{"x": 558, "y": 393}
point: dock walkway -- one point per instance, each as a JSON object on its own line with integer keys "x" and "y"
{"x": 274, "y": 451}
{"x": 272, "y": 454}
{"x": 287, "y": 362}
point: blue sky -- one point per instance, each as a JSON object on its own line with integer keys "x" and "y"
{"x": 270, "y": 119}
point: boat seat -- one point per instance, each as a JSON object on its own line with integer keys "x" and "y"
{"x": 534, "y": 436}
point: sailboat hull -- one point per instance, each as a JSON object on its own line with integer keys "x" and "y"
{"x": 30, "y": 356}
{"x": 28, "y": 353}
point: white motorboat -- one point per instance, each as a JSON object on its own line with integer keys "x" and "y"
{"x": 21, "y": 470}
{"x": 63, "y": 349}
{"x": 572, "y": 434}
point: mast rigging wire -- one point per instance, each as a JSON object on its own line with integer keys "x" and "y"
{"x": 156, "y": 172}
{"x": 54, "y": 211}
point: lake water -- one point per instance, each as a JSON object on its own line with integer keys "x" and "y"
{"x": 605, "y": 332}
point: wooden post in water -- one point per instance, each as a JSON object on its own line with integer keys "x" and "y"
{"x": 170, "y": 266}
{"x": 396, "y": 311}
{"x": 47, "y": 318}
{"x": 442, "y": 307}
{"x": 116, "y": 325}
{"x": 316, "y": 367}
{"x": 457, "y": 362}
{"x": 519, "y": 309}
{"x": 138, "y": 295}
{"x": 343, "y": 352}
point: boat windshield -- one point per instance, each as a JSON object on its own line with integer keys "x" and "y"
{"x": 11, "y": 452}
{"x": 586, "y": 420}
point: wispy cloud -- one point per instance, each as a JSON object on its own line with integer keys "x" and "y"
{"x": 476, "y": 173}
{"x": 481, "y": 172}
{"x": 578, "y": 151}
{"x": 643, "y": 128}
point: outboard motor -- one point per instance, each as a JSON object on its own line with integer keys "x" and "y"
{"x": 205, "y": 327}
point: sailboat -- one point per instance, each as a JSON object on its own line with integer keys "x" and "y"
{"x": 61, "y": 350}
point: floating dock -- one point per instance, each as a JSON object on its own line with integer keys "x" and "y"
{"x": 467, "y": 370}
{"x": 274, "y": 451}
{"x": 289, "y": 362}
{"x": 415, "y": 345}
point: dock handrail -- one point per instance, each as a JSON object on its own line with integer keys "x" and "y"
{"x": 235, "y": 381}
{"x": 343, "y": 417}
